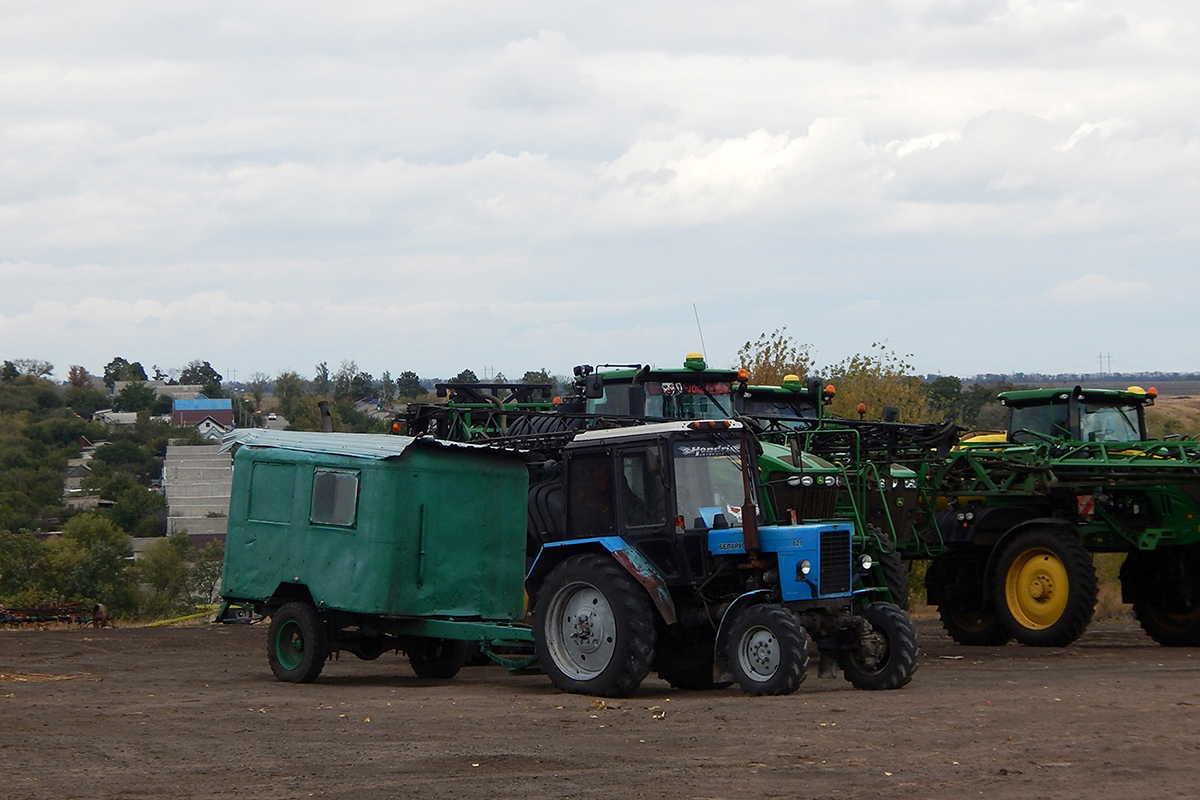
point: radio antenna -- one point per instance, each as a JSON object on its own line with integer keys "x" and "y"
{"x": 703, "y": 349}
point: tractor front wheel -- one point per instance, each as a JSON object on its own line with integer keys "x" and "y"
{"x": 888, "y": 651}
{"x": 594, "y": 627}
{"x": 768, "y": 650}
{"x": 297, "y": 643}
{"x": 1045, "y": 588}
{"x": 1164, "y": 587}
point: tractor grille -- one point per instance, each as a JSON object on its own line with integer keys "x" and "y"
{"x": 835, "y": 562}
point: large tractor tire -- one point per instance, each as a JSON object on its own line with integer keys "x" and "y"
{"x": 297, "y": 643}
{"x": 1045, "y": 587}
{"x": 438, "y": 658}
{"x": 887, "y": 654}
{"x": 594, "y": 627}
{"x": 768, "y": 650}
{"x": 894, "y": 570}
{"x": 1164, "y": 587}
{"x": 686, "y": 658}
{"x": 967, "y": 622}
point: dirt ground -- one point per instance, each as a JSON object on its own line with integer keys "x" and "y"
{"x": 195, "y": 713}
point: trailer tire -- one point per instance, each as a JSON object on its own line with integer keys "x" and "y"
{"x": 1164, "y": 587}
{"x": 437, "y": 658}
{"x": 768, "y": 650}
{"x": 1045, "y": 588}
{"x": 594, "y": 627}
{"x": 297, "y": 643}
{"x": 887, "y": 655}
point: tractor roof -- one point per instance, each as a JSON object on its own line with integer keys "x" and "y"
{"x": 1033, "y": 397}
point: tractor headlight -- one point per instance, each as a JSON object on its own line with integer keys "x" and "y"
{"x": 803, "y": 568}
{"x": 830, "y": 480}
{"x": 866, "y": 562}
{"x": 807, "y": 480}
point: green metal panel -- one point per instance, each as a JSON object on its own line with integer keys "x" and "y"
{"x": 437, "y": 531}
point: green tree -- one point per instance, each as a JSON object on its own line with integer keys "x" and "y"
{"x": 135, "y": 397}
{"x": 408, "y": 385}
{"x": 945, "y": 396}
{"x": 201, "y": 373}
{"x": 322, "y": 382}
{"x": 89, "y": 563}
{"x": 164, "y": 570}
{"x": 773, "y": 356}
{"x": 121, "y": 370}
{"x": 290, "y": 391}
{"x": 23, "y": 562}
{"x": 387, "y": 389}
{"x": 466, "y": 376}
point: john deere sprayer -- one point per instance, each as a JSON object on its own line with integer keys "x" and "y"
{"x": 1018, "y": 514}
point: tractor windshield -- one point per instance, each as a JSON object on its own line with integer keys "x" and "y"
{"x": 776, "y": 409}
{"x": 678, "y": 400}
{"x": 708, "y": 483}
{"x": 1109, "y": 423}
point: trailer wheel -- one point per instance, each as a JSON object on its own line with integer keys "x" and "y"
{"x": 973, "y": 627}
{"x": 1045, "y": 588}
{"x": 685, "y": 658}
{"x": 297, "y": 643}
{"x": 768, "y": 650}
{"x": 1164, "y": 587}
{"x": 887, "y": 652}
{"x": 594, "y": 627}
{"x": 437, "y": 658}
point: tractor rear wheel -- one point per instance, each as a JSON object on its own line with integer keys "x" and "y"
{"x": 1164, "y": 587}
{"x": 594, "y": 627}
{"x": 297, "y": 643}
{"x": 768, "y": 650}
{"x": 1045, "y": 587}
{"x": 437, "y": 658}
{"x": 686, "y": 658}
{"x": 888, "y": 651}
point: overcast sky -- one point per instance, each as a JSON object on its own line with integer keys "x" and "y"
{"x": 988, "y": 186}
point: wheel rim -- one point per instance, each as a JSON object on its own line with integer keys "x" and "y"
{"x": 758, "y": 654}
{"x": 1036, "y": 588}
{"x": 583, "y": 634}
{"x": 289, "y": 645}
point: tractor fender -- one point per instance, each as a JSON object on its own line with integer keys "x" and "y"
{"x": 751, "y": 598}
{"x": 645, "y": 573}
{"x": 997, "y": 550}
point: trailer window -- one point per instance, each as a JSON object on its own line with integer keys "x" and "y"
{"x": 334, "y": 497}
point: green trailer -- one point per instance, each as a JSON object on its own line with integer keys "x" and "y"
{"x": 371, "y": 544}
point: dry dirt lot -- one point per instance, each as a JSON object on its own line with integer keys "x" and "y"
{"x": 194, "y": 713}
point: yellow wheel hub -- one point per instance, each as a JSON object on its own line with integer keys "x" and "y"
{"x": 1036, "y": 588}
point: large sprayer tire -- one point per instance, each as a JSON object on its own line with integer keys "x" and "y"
{"x": 297, "y": 643}
{"x": 1045, "y": 587}
{"x": 1164, "y": 587}
{"x": 594, "y": 627}
{"x": 768, "y": 650}
{"x": 888, "y": 651}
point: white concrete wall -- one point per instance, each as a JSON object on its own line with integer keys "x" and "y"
{"x": 197, "y": 482}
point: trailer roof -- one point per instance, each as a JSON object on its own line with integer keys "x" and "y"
{"x": 355, "y": 445}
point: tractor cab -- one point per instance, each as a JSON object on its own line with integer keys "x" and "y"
{"x": 790, "y": 404}
{"x": 634, "y": 390}
{"x": 1079, "y": 414}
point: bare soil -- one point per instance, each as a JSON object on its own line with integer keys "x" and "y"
{"x": 194, "y": 713}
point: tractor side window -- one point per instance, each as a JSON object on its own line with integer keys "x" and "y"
{"x": 643, "y": 494}
{"x": 334, "y": 497}
{"x": 590, "y": 495}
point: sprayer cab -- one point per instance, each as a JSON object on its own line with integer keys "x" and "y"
{"x": 1078, "y": 414}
